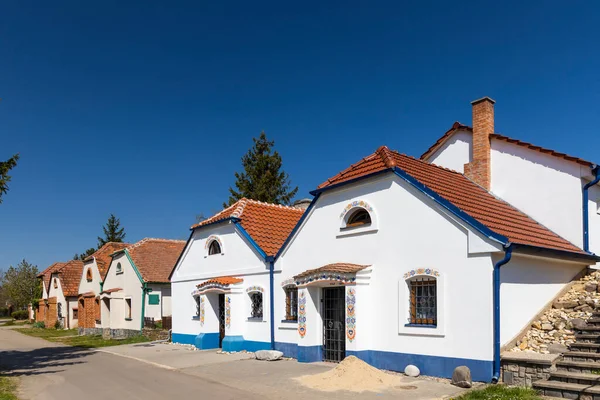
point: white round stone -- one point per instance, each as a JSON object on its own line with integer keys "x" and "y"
{"x": 412, "y": 370}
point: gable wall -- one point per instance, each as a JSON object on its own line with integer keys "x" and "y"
{"x": 411, "y": 234}
{"x": 94, "y": 285}
{"x": 132, "y": 288}
{"x": 455, "y": 152}
{"x": 545, "y": 187}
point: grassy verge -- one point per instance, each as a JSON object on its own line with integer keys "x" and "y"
{"x": 501, "y": 392}
{"x": 69, "y": 337}
{"x": 8, "y": 387}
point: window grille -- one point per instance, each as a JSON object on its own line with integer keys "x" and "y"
{"x": 423, "y": 301}
{"x": 291, "y": 304}
{"x": 257, "y": 305}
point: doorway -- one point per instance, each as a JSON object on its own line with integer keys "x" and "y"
{"x": 334, "y": 324}
{"x": 221, "y": 319}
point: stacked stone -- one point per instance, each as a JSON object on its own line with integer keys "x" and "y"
{"x": 553, "y": 332}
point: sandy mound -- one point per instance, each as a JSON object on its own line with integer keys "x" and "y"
{"x": 351, "y": 374}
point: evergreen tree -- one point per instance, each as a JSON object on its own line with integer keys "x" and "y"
{"x": 85, "y": 254}
{"x": 262, "y": 178}
{"x": 5, "y": 167}
{"x": 112, "y": 231}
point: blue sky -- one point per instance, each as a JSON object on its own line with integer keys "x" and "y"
{"x": 144, "y": 109}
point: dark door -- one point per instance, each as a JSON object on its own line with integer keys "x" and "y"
{"x": 221, "y": 319}
{"x": 334, "y": 324}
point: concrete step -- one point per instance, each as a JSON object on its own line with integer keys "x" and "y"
{"x": 575, "y": 377}
{"x": 565, "y": 390}
{"x": 587, "y": 338}
{"x": 588, "y": 347}
{"x": 582, "y": 356}
{"x": 577, "y": 366}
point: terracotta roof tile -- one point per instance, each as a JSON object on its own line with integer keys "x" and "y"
{"x": 70, "y": 276}
{"x": 458, "y": 126}
{"x": 103, "y": 256}
{"x": 155, "y": 258}
{"x": 111, "y": 290}
{"x": 45, "y": 274}
{"x": 496, "y": 214}
{"x": 222, "y": 280}
{"x": 339, "y": 268}
{"x": 269, "y": 225}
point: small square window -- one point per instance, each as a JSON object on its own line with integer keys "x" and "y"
{"x": 75, "y": 313}
{"x": 423, "y": 301}
{"x": 153, "y": 299}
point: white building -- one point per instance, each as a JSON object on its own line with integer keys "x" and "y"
{"x": 62, "y": 290}
{"x": 42, "y": 307}
{"x": 90, "y": 286}
{"x": 222, "y": 281}
{"x": 136, "y": 285}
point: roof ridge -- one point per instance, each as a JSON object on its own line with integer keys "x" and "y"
{"x": 239, "y": 210}
{"x": 148, "y": 239}
{"x": 386, "y": 156}
{"x": 427, "y": 163}
{"x": 274, "y": 205}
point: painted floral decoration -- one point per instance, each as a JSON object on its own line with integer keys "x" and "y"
{"x": 227, "y": 311}
{"x": 421, "y": 271}
{"x": 350, "y": 313}
{"x": 302, "y": 314}
{"x": 356, "y": 203}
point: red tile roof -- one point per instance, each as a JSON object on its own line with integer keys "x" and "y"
{"x": 222, "y": 280}
{"x": 70, "y": 276}
{"x": 103, "y": 256}
{"x": 495, "y": 214}
{"x": 155, "y": 258}
{"x": 269, "y": 225}
{"x": 458, "y": 127}
{"x": 45, "y": 274}
{"x": 339, "y": 268}
{"x": 111, "y": 290}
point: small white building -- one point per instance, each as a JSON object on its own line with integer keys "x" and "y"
{"x": 222, "y": 282}
{"x": 63, "y": 291}
{"x": 90, "y": 286}
{"x": 137, "y": 285}
{"x": 41, "y": 312}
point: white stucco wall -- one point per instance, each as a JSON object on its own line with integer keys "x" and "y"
{"x": 594, "y": 215}
{"x": 131, "y": 287}
{"x": 412, "y": 233}
{"x": 163, "y": 308}
{"x": 93, "y": 285}
{"x": 545, "y": 187}
{"x": 455, "y": 152}
{"x": 44, "y": 290}
{"x": 238, "y": 259}
{"x": 528, "y": 284}
{"x": 67, "y": 304}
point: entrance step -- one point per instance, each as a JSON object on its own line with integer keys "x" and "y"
{"x": 587, "y": 338}
{"x": 582, "y": 356}
{"x": 591, "y": 329}
{"x": 566, "y": 390}
{"x": 588, "y": 347}
{"x": 595, "y": 321}
{"x": 576, "y": 366}
{"x": 575, "y": 377}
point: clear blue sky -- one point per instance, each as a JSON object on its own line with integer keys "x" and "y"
{"x": 144, "y": 109}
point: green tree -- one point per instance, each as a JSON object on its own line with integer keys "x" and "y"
{"x": 262, "y": 178}
{"x": 112, "y": 231}
{"x": 85, "y": 254}
{"x": 20, "y": 284}
{"x": 5, "y": 167}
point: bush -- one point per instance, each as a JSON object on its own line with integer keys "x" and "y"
{"x": 4, "y": 312}
{"x": 57, "y": 325}
{"x": 20, "y": 315}
{"x": 39, "y": 324}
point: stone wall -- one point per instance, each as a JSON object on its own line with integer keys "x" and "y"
{"x": 90, "y": 331}
{"x": 119, "y": 333}
{"x": 522, "y": 369}
{"x": 156, "y": 334}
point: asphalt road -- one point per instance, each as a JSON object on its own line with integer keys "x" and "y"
{"x": 51, "y": 371}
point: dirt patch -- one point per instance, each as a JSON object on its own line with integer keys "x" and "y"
{"x": 353, "y": 375}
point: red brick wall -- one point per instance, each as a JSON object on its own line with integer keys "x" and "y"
{"x": 87, "y": 312}
{"x": 478, "y": 170}
{"x": 51, "y": 313}
{"x": 40, "y": 316}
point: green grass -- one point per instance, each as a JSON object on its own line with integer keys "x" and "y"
{"x": 8, "y": 386}
{"x": 70, "y": 338}
{"x": 501, "y": 392}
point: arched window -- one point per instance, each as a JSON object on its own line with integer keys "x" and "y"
{"x": 214, "y": 248}
{"x": 359, "y": 217}
{"x": 119, "y": 268}
{"x": 423, "y": 300}
{"x": 55, "y": 284}
{"x": 88, "y": 274}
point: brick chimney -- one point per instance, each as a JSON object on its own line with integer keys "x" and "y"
{"x": 478, "y": 170}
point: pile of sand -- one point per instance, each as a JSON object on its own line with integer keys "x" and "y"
{"x": 351, "y": 374}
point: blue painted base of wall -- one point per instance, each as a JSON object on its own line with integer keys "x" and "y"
{"x": 310, "y": 353}
{"x": 205, "y": 341}
{"x": 238, "y": 343}
{"x": 183, "y": 338}
{"x": 288, "y": 349}
{"x": 481, "y": 371}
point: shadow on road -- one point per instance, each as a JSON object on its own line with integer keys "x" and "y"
{"x": 45, "y": 360}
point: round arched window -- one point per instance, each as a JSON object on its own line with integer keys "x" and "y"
{"x": 359, "y": 217}
{"x": 119, "y": 268}
{"x": 214, "y": 248}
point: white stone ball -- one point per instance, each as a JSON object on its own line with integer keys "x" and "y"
{"x": 412, "y": 370}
